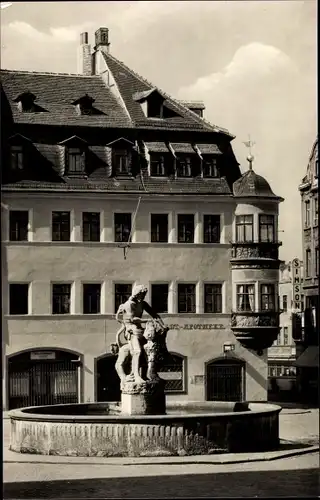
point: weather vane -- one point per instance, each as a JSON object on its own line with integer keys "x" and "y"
{"x": 249, "y": 144}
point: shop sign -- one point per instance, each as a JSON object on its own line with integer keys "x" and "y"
{"x": 42, "y": 355}
{"x": 197, "y": 326}
{"x": 297, "y": 284}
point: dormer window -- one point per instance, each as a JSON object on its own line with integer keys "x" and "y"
{"x": 84, "y": 105}
{"x": 76, "y": 161}
{"x": 16, "y": 158}
{"x": 121, "y": 162}
{"x": 157, "y": 166}
{"x": 155, "y": 108}
{"x": 209, "y": 167}
{"x": 26, "y": 103}
{"x": 184, "y": 166}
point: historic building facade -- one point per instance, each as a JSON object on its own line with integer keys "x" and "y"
{"x": 307, "y": 338}
{"x": 108, "y": 182}
{"x": 282, "y": 354}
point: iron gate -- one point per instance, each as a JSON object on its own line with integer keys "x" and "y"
{"x": 37, "y": 383}
{"x": 225, "y": 380}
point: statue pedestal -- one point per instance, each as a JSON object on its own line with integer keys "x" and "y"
{"x": 144, "y": 399}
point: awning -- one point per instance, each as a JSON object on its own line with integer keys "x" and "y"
{"x": 182, "y": 147}
{"x": 208, "y": 149}
{"x": 309, "y": 358}
{"x": 157, "y": 147}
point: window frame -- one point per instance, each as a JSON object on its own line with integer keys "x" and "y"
{"x": 178, "y": 228}
{"x": 246, "y": 294}
{"x": 264, "y": 294}
{"x": 120, "y": 283}
{"x": 205, "y": 285}
{"x": 307, "y": 214}
{"x": 87, "y": 284}
{"x": 17, "y": 157}
{"x": 89, "y": 237}
{"x": 160, "y": 284}
{"x": 65, "y": 284}
{"x": 184, "y": 165}
{"x": 18, "y": 230}
{"x": 15, "y": 294}
{"x": 68, "y": 239}
{"x": 268, "y": 226}
{"x": 161, "y": 214}
{"x": 206, "y": 233}
{"x": 206, "y": 159}
{"x": 285, "y": 303}
{"x": 194, "y": 294}
{"x": 183, "y": 379}
{"x": 286, "y": 335}
{"x": 159, "y": 160}
{"x": 308, "y": 263}
{"x": 130, "y": 232}
{"x": 76, "y": 160}
{"x": 244, "y": 225}
{"x": 121, "y": 154}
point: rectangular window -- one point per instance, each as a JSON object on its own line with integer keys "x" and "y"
{"x": 60, "y": 226}
{"x": 18, "y": 225}
{"x": 307, "y": 214}
{"x": 157, "y": 167}
{"x": 16, "y": 158}
{"x": 18, "y": 298}
{"x": 61, "y": 298}
{"x": 76, "y": 161}
{"x": 267, "y": 298}
{"x": 308, "y": 263}
{"x": 212, "y": 298}
{"x": 91, "y": 298}
{"x": 211, "y": 228}
{"x": 186, "y": 228}
{"x": 122, "y": 227}
{"x": 285, "y": 303}
{"x": 186, "y": 298}
{"x": 159, "y": 297}
{"x": 121, "y": 162}
{"x": 285, "y": 335}
{"x": 316, "y": 168}
{"x": 209, "y": 167}
{"x": 315, "y": 212}
{"x": 245, "y": 298}
{"x": 159, "y": 228}
{"x": 317, "y": 261}
{"x": 184, "y": 166}
{"x": 91, "y": 226}
{"x": 244, "y": 228}
{"x": 122, "y": 292}
{"x": 266, "y": 228}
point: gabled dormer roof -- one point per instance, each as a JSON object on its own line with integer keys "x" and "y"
{"x": 142, "y": 96}
{"x": 25, "y": 97}
{"x": 73, "y": 140}
{"x": 121, "y": 142}
{"x": 84, "y": 100}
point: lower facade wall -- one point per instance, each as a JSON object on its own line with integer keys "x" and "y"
{"x": 199, "y": 339}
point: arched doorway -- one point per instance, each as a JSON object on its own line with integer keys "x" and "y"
{"x": 107, "y": 379}
{"x": 43, "y": 377}
{"x": 225, "y": 380}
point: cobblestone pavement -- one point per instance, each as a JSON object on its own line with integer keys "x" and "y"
{"x": 294, "y": 476}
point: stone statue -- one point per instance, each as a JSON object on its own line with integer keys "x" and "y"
{"x": 143, "y": 344}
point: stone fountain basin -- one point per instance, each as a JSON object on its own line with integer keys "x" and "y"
{"x": 99, "y": 429}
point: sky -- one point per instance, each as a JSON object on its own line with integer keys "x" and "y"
{"x": 253, "y": 63}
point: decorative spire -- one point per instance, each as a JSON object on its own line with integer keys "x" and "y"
{"x": 249, "y": 144}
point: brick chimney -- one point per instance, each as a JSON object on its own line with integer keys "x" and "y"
{"x": 84, "y": 56}
{"x": 102, "y": 40}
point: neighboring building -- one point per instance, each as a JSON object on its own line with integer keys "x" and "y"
{"x": 282, "y": 355}
{"x": 308, "y": 337}
{"x": 91, "y": 163}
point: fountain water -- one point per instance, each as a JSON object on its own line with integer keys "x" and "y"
{"x": 143, "y": 425}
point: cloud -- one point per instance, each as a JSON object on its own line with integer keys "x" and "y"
{"x": 250, "y": 63}
{"x": 58, "y": 34}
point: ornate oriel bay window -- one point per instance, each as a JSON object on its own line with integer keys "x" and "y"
{"x": 245, "y": 298}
